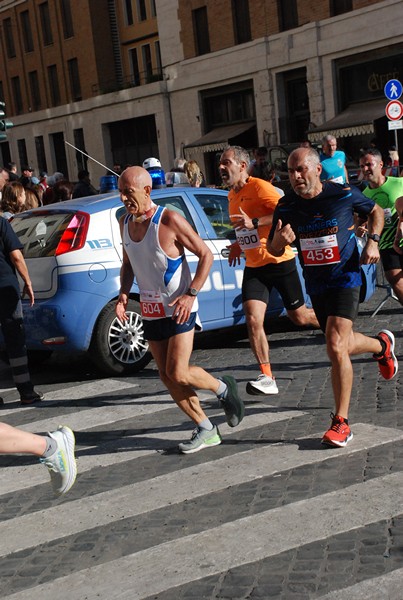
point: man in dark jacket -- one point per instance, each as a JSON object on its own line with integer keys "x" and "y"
{"x": 83, "y": 187}
{"x": 12, "y": 326}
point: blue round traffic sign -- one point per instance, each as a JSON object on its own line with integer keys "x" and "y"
{"x": 393, "y": 89}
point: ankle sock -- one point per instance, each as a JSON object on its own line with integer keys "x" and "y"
{"x": 51, "y": 447}
{"x": 383, "y": 344}
{"x": 266, "y": 369}
{"x": 206, "y": 424}
{"x": 222, "y": 389}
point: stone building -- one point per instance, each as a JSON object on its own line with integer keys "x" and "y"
{"x": 126, "y": 79}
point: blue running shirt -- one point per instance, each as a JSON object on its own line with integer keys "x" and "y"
{"x": 326, "y": 241}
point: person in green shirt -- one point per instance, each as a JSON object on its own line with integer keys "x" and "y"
{"x": 384, "y": 191}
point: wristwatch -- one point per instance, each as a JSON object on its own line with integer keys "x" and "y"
{"x": 375, "y": 237}
{"x": 255, "y": 222}
{"x": 193, "y": 292}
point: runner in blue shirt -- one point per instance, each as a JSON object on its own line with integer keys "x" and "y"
{"x": 318, "y": 217}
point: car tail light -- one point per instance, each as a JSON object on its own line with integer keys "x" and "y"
{"x": 75, "y": 234}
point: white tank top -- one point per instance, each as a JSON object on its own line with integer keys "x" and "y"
{"x": 160, "y": 278}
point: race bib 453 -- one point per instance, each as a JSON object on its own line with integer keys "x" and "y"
{"x": 320, "y": 251}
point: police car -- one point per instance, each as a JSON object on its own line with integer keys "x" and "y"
{"x": 73, "y": 251}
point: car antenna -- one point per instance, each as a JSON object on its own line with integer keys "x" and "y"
{"x": 91, "y": 158}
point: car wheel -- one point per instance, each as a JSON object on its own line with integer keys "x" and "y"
{"x": 119, "y": 348}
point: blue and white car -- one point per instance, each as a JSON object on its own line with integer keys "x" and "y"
{"x": 73, "y": 251}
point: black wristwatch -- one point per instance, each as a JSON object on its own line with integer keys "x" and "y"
{"x": 193, "y": 292}
{"x": 375, "y": 237}
{"x": 255, "y": 222}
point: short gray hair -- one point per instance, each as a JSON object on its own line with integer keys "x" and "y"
{"x": 240, "y": 154}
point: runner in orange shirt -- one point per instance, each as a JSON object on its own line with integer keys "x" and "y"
{"x": 251, "y": 205}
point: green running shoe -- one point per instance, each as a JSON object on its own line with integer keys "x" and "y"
{"x": 201, "y": 438}
{"x": 233, "y": 406}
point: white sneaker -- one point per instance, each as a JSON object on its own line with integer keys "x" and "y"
{"x": 62, "y": 464}
{"x": 263, "y": 385}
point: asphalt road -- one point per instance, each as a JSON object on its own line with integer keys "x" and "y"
{"x": 270, "y": 513}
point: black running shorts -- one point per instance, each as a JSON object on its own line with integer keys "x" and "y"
{"x": 391, "y": 259}
{"x": 336, "y": 302}
{"x": 157, "y": 330}
{"x": 258, "y": 282}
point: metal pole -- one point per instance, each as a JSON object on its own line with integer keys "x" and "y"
{"x": 91, "y": 158}
{"x": 397, "y": 148}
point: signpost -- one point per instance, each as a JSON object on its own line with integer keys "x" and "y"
{"x": 394, "y": 109}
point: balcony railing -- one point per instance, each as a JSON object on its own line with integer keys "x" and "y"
{"x": 130, "y": 81}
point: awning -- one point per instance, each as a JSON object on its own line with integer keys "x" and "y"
{"x": 217, "y": 139}
{"x": 357, "y": 119}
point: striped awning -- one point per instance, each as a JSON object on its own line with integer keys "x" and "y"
{"x": 357, "y": 119}
{"x": 217, "y": 139}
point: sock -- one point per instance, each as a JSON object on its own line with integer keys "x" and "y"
{"x": 383, "y": 344}
{"x": 51, "y": 446}
{"x": 221, "y": 390}
{"x": 206, "y": 424}
{"x": 266, "y": 369}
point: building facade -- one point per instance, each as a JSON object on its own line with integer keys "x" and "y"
{"x": 122, "y": 80}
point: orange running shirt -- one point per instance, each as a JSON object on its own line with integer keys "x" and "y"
{"x": 257, "y": 199}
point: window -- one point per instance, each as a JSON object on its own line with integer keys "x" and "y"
{"x": 287, "y": 14}
{"x": 216, "y": 209}
{"x": 16, "y": 88}
{"x": 26, "y": 31}
{"x": 147, "y": 63}
{"x": 158, "y": 58}
{"x": 79, "y": 143}
{"x": 67, "y": 19}
{"x": 241, "y": 21}
{"x": 134, "y": 66}
{"x": 221, "y": 107}
{"x": 201, "y": 31}
{"x": 35, "y": 90}
{"x": 54, "y": 85}
{"x": 9, "y": 38}
{"x": 338, "y": 7}
{"x": 46, "y": 24}
{"x": 22, "y": 152}
{"x": 40, "y": 153}
{"x": 74, "y": 77}
{"x": 177, "y": 204}
{"x": 153, "y": 8}
{"x": 128, "y": 10}
{"x": 141, "y": 10}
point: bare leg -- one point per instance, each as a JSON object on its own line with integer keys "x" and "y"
{"x": 172, "y": 357}
{"x": 13, "y": 441}
{"x": 255, "y": 311}
{"x": 304, "y": 317}
{"x": 395, "y": 278}
{"x": 338, "y": 336}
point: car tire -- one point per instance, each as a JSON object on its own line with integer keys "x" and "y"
{"x": 116, "y": 348}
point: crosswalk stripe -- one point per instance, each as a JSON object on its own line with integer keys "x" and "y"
{"x": 384, "y": 587}
{"x": 15, "y": 477}
{"x": 126, "y": 502}
{"x": 218, "y": 549}
{"x": 99, "y": 387}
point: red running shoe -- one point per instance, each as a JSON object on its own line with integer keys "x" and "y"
{"x": 387, "y": 362}
{"x": 339, "y": 433}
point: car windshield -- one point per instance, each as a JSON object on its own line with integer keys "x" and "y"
{"x": 40, "y": 233}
